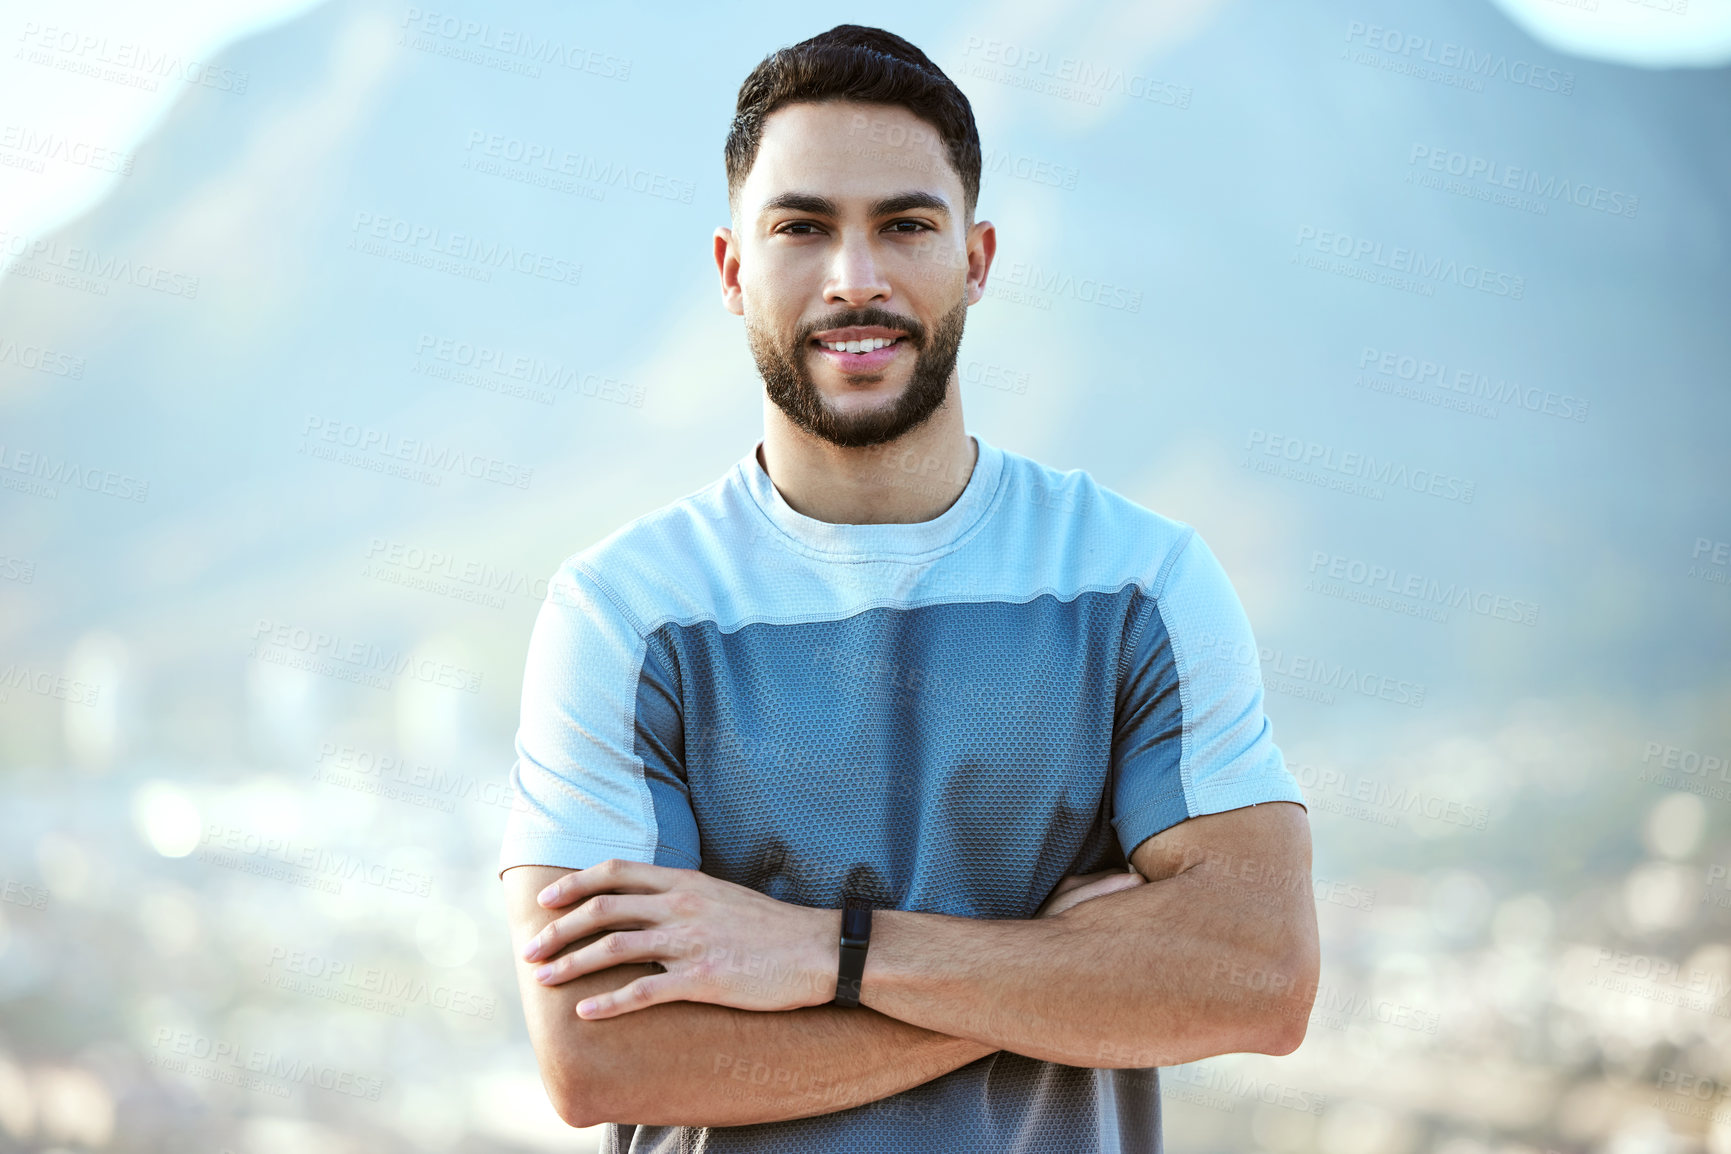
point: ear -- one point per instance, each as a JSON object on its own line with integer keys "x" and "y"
{"x": 982, "y": 247}
{"x": 727, "y": 264}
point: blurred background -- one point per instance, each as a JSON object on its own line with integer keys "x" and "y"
{"x": 328, "y": 329}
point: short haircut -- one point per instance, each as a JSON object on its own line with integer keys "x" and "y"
{"x": 852, "y": 62}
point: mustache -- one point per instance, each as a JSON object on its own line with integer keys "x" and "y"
{"x": 862, "y": 318}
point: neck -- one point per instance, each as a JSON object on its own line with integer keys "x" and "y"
{"x": 912, "y": 478}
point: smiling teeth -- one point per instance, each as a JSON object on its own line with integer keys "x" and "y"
{"x": 858, "y": 346}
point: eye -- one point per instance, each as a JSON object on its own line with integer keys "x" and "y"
{"x": 798, "y": 228}
{"x": 909, "y": 227}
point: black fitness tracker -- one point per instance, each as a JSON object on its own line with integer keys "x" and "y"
{"x": 856, "y": 934}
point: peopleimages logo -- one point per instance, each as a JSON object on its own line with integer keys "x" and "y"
{"x": 997, "y": 162}
{"x": 415, "y": 782}
{"x": 46, "y": 472}
{"x": 436, "y": 571}
{"x": 253, "y": 1068}
{"x": 1659, "y": 979}
{"x": 1687, "y": 770}
{"x": 1394, "y": 267}
{"x": 38, "y": 147}
{"x": 553, "y": 161}
{"x": 23, "y": 894}
{"x": 497, "y": 370}
{"x": 1333, "y": 1006}
{"x": 1056, "y": 283}
{"x": 41, "y": 359}
{"x": 17, "y": 569}
{"x": 420, "y": 459}
{"x": 375, "y": 988}
{"x": 1327, "y": 570}
{"x": 349, "y": 659}
{"x": 1475, "y": 170}
{"x": 459, "y": 253}
{"x": 85, "y": 269}
{"x": 1069, "y": 77}
{"x": 1717, "y": 556}
{"x": 1410, "y": 53}
{"x": 236, "y": 848}
{"x": 1333, "y": 790}
{"x": 480, "y": 42}
{"x": 1355, "y": 472}
{"x": 1309, "y": 677}
{"x": 46, "y": 684}
{"x": 1235, "y": 1087}
{"x": 1470, "y": 385}
{"x": 123, "y": 62}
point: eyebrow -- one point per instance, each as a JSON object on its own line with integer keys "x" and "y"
{"x": 824, "y": 206}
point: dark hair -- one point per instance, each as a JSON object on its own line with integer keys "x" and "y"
{"x": 851, "y": 62}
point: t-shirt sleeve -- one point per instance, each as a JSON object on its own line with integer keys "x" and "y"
{"x": 599, "y": 771}
{"x": 1190, "y": 736}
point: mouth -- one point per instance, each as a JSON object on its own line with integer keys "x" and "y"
{"x": 857, "y": 352}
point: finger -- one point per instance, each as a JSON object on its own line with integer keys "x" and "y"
{"x": 1070, "y": 883}
{"x": 1110, "y": 885}
{"x": 1067, "y": 884}
{"x": 1098, "y": 889}
{"x": 615, "y": 949}
{"x": 552, "y": 896}
{"x": 645, "y": 991}
{"x": 614, "y": 874}
{"x": 1075, "y": 881}
{"x": 600, "y": 912}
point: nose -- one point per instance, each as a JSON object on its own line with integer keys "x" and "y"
{"x": 858, "y": 278}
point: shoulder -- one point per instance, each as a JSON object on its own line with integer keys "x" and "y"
{"x": 654, "y": 568}
{"x": 1104, "y": 538}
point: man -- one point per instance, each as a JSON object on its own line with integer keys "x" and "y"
{"x": 886, "y": 664}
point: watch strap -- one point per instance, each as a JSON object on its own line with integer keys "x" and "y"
{"x": 856, "y": 932}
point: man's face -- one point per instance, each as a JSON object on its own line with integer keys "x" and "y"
{"x": 851, "y": 231}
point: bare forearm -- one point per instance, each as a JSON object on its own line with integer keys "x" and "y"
{"x": 1165, "y": 973}
{"x": 693, "y": 1064}
{"x": 700, "y": 1064}
{"x": 1215, "y": 952}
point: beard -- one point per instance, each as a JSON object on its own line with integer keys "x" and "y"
{"x": 787, "y": 376}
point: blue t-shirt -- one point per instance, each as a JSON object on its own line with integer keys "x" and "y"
{"x": 948, "y": 716}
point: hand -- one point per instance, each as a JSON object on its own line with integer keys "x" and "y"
{"x": 716, "y": 941}
{"x": 1079, "y": 888}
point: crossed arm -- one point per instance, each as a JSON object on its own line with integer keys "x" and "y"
{"x": 1216, "y": 954}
